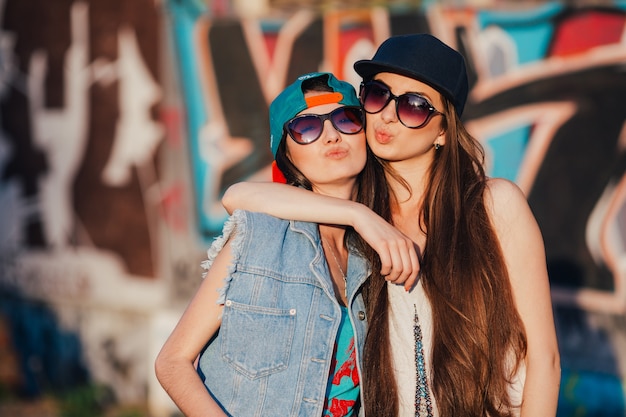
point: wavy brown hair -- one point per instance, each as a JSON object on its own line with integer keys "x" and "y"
{"x": 478, "y": 336}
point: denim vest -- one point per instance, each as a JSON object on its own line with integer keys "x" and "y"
{"x": 273, "y": 352}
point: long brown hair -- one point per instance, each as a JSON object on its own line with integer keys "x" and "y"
{"x": 478, "y": 336}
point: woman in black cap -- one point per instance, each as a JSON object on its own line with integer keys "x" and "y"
{"x": 475, "y": 335}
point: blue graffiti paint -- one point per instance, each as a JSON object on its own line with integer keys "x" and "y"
{"x": 50, "y": 358}
{"x": 590, "y": 394}
{"x": 508, "y": 150}
{"x": 531, "y": 30}
{"x": 183, "y": 16}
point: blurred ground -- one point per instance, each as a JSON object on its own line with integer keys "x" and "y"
{"x": 51, "y": 407}
{"x": 39, "y": 408}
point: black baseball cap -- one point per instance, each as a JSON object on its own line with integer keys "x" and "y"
{"x": 425, "y": 58}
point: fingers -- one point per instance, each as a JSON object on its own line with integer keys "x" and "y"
{"x": 415, "y": 268}
{"x": 399, "y": 256}
{"x": 400, "y": 262}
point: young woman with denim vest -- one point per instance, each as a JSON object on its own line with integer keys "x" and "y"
{"x": 475, "y": 335}
{"x": 279, "y": 321}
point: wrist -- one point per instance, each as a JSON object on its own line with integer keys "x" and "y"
{"x": 357, "y": 213}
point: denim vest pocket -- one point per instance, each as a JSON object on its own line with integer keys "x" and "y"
{"x": 257, "y": 341}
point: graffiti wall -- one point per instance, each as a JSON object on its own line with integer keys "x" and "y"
{"x": 80, "y": 192}
{"x": 546, "y": 83}
{"x": 123, "y": 122}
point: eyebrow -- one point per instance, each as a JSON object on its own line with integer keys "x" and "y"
{"x": 421, "y": 93}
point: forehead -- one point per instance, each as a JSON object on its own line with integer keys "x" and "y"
{"x": 400, "y": 84}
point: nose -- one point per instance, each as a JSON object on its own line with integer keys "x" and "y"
{"x": 330, "y": 133}
{"x": 388, "y": 113}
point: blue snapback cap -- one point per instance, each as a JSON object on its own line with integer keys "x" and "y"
{"x": 291, "y": 101}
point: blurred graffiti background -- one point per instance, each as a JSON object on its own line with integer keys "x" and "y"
{"x": 123, "y": 121}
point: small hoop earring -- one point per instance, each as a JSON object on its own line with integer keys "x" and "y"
{"x": 437, "y": 146}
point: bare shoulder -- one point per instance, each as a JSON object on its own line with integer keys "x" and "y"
{"x": 502, "y": 194}
{"x": 507, "y": 206}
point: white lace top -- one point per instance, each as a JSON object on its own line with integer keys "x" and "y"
{"x": 402, "y": 319}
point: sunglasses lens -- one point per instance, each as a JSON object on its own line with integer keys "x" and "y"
{"x": 308, "y": 128}
{"x": 374, "y": 97}
{"x": 413, "y": 110}
{"x": 305, "y": 129}
{"x": 347, "y": 120}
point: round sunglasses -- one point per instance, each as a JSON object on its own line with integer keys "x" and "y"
{"x": 413, "y": 110}
{"x": 308, "y": 128}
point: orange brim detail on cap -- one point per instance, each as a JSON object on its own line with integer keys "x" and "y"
{"x": 323, "y": 99}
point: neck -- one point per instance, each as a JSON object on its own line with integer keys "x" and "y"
{"x": 411, "y": 174}
{"x": 406, "y": 208}
{"x": 344, "y": 191}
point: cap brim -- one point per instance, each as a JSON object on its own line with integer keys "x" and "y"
{"x": 367, "y": 68}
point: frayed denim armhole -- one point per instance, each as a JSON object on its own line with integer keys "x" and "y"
{"x": 234, "y": 226}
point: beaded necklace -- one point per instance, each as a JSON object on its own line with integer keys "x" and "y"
{"x": 423, "y": 404}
